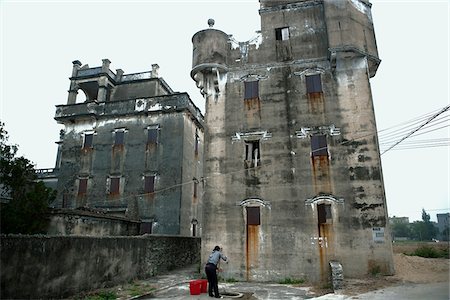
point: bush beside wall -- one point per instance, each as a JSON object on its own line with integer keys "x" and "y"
{"x": 45, "y": 267}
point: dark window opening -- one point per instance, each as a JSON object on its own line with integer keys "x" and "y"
{"x": 152, "y": 136}
{"x": 251, "y": 89}
{"x": 114, "y": 185}
{"x": 194, "y": 229}
{"x": 282, "y": 34}
{"x": 88, "y": 140}
{"x": 149, "y": 184}
{"x": 253, "y": 216}
{"x": 252, "y": 153}
{"x": 119, "y": 137}
{"x": 324, "y": 213}
{"x": 319, "y": 145}
{"x": 82, "y": 186}
{"x": 197, "y": 142}
{"x": 313, "y": 84}
{"x": 146, "y": 227}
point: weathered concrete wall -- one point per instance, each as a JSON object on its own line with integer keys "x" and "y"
{"x": 310, "y": 209}
{"x": 76, "y": 222}
{"x": 44, "y": 267}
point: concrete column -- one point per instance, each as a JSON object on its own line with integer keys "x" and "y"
{"x": 102, "y": 89}
{"x": 155, "y": 68}
{"x": 73, "y": 89}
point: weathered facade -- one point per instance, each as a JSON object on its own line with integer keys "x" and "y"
{"x": 292, "y": 163}
{"x": 133, "y": 148}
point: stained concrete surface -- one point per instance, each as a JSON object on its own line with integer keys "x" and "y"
{"x": 175, "y": 285}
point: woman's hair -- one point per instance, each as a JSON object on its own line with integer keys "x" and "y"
{"x": 216, "y": 248}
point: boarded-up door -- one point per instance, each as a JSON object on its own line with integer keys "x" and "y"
{"x": 252, "y": 247}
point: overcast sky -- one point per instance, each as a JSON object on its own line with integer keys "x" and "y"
{"x": 40, "y": 39}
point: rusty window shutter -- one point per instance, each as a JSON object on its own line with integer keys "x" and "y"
{"x": 251, "y": 89}
{"x": 82, "y": 186}
{"x": 119, "y": 137}
{"x": 149, "y": 184}
{"x": 114, "y": 187}
{"x": 253, "y": 216}
{"x": 88, "y": 140}
{"x": 313, "y": 83}
{"x": 319, "y": 145}
{"x": 152, "y": 137}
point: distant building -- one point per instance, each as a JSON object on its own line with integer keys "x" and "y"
{"x": 292, "y": 161}
{"x": 133, "y": 148}
{"x": 398, "y": 220}
{"x": 443, "y": 224}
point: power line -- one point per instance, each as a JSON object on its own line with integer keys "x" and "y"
{"x": 418, "y": 128}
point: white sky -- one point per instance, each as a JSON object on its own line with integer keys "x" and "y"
{"x": 40, "y": 39}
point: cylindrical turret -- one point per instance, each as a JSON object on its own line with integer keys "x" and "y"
{"x": 210, "y": 50}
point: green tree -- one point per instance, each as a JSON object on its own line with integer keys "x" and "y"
{"x": 401, "y": 230}
{"x": 424, "y": 230}
{"x": 27, "y": 209}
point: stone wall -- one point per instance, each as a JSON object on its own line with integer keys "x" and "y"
{"x": 34, "y": 267}
{"x": 86, "y": 223}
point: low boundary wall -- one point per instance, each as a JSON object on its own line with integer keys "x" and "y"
{"x": 43, "y": 267}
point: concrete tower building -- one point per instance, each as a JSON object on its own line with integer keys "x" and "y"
{"x": 132, "y": 149}
{"x": 292, "y": 163}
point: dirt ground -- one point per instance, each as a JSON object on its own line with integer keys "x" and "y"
{"x": 412, "y": 269}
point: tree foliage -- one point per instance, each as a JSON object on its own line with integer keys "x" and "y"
{"x": 27, "y": 209}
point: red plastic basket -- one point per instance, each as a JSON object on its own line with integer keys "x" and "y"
{"x": 195, "y": 287}
{"x": 204, "y": 283}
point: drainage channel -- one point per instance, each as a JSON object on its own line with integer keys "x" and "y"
{"x": 232, "y": 295}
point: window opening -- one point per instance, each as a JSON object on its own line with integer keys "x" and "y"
{"x": 146, "y": 227}
{"x": 152, "y": 135}
{"x": 252, "y": 153}
{"x": 197, "y": 142}
{"x": 282, "y": 34}
{"x": 319, "y": 145}
{"x": 324, "y": 213}
{"x": 195, "y": 187}
{"x": 149, "y": 184}
{"x": 88, "y": 140}
{"x": 114, "y": 185}
{"x": 82, "y": 186}
{"x": 251, "y": 89}
{"x": 119, "y": 137}
{"x": 313, "y": 84}
{"x": 253, "y": 215}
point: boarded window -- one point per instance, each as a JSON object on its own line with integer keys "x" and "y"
{"x": 324, "y": 213}
{"x": 114, "y": 185}
{"x": 251, "y": 89}
{"x": 149, "y": 184}
{"x": 252, "y": 153}
{"x": 82, "y": 186}
{"x": 88, "y": 140}
{"x": 119, "y": 137}
{"x": 195, "y": 188}
{"x": 313, "y": 83}
{"x": 253, "y": 216}
{"x": 282, "y": 34}
{"x": 319, "y": 145}
{"x": 152, "y": 135}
